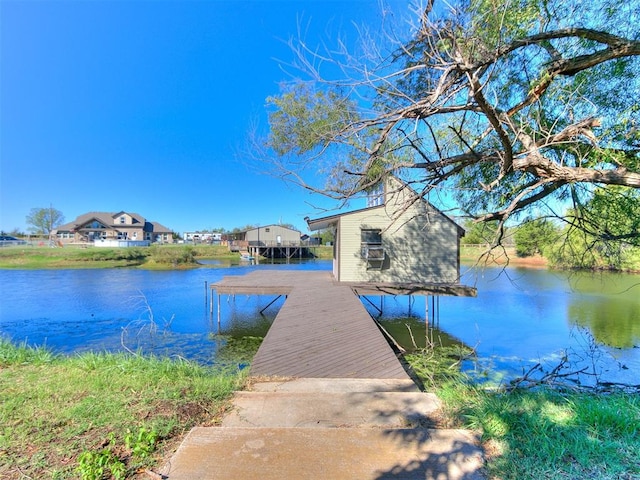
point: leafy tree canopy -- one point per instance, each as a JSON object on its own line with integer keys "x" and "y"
{"x": 508, "y": 106}
{"x": 479, "y": 233}
{"x": 535, "y": 236}
{"x": 42, "y": 221}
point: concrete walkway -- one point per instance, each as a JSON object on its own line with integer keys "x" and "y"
{"x": 329, "y": 429}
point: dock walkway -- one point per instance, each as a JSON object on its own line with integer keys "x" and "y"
{"x": 350, "y": 413}
{"x": 321, "y": 331}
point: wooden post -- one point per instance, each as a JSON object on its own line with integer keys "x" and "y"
{"x": 426, "y": 310}
{"x": 218, "y": 314}
{"x": 211, "y": 306}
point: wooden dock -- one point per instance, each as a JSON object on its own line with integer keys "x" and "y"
{"x": 321, "y": 331}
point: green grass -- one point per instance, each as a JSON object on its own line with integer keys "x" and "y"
{"x": 323, "y": 252}
{"x": 543, "y": 433}
{"x": 70, "y": 257}
{"x": 156, "y": 256}
{"x": 69, "y": 417}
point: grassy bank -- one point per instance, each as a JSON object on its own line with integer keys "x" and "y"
{"x": 96, "y": 415}
{"x": 154, "y": 257}
{"x": 479, "y": 255}
{"x": 539, "y": 434}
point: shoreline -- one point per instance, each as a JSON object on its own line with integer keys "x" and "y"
{"x": 501, "y": 257}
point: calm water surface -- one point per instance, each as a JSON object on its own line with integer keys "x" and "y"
{"x": 520, "y": 317}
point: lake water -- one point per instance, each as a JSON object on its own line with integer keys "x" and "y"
{"x": 520, "y": 317}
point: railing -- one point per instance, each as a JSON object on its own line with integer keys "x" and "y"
{"x": 239, "y": 245}
{"x": 271, "y": 243}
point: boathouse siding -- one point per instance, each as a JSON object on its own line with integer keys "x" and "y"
{"x": 272, "y": 235}
{"x": 413, "y": 242}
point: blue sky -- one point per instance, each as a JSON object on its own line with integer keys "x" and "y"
{"x": 143, "y": 105}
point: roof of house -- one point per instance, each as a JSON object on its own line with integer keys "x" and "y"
{"x": 157, "y": 228}
{"x": 324, "y": 222}
{"x": 272, "y": 225}
{"x": 108, "y": 219}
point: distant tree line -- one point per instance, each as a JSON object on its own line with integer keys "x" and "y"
{"x": 605, "y": 244}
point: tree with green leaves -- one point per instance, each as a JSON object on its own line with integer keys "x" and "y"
{"x": 326, "y": 236}
{"x": 42, "y": 221}
{"x": 535, "y": 237}
{"x": 479, "y": 233}
{"x": 510, "y": 107}
{"x": 608, "y": 234}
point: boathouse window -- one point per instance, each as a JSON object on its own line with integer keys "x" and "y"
{"x": 375, "y": 196}
{"x": 371, "y": 247}
{"x": 371, "y": 236}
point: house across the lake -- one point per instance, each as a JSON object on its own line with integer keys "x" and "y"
{"x": 400, "y": 238}
{"x": 119, "y": 229}
{"x": 203, "y": 237}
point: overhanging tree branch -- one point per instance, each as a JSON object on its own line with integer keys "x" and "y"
{"x": 504, "y": 111}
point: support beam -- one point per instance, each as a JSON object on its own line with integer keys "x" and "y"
{"x": 372, "y": 304}
{"x": 270, "y": 303}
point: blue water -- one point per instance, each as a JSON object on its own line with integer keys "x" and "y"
{"x": 161, "y": 312}
{"x": 520, "y": 317}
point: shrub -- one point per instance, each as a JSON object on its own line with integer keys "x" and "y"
{"x": 173, "y": 255}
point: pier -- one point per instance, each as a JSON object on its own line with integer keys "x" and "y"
{"x": 323, "y": 330}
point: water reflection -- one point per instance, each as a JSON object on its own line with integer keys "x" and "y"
{"x": 522, "y": 317}
{"x": 608, "y": 305}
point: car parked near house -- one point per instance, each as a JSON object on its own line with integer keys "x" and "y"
{"x": 8, "y": 241}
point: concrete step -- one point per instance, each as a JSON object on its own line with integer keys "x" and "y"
{"x": 337, "y": 385}
{"x": 222, "y": 453}
{"x": 331, "y": 409}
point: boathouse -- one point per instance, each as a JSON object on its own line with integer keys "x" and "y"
{"x": 272, "y": 236}
{"x": 269, "y": 241}
{"x": 399, "y": 238}
{"x": 399, "y": 244}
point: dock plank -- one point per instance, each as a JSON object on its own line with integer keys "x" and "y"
{"x": 321, "y": 331}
